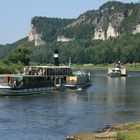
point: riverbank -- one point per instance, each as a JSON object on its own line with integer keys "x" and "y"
{"x": 129, "y": 67}
{"x": 126, "y": 131}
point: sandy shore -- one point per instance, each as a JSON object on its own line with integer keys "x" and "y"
{"x": 108, "y": 133}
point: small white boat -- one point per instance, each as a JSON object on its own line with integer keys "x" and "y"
{"x": 117, "y": 71}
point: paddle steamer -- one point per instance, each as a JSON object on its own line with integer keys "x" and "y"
{"x": 117, "y": 71}
{"x": 38, "y": 79}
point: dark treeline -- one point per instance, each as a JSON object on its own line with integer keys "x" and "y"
{"x": 125, "y": 48}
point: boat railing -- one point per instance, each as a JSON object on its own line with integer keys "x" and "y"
{"x": 48, "y": 71}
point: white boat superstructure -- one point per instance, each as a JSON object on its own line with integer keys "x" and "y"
{"x": 117, "y": 71}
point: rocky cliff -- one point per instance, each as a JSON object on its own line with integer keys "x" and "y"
{"x": 35, "y": 36}
{"x": 110, "y": 20}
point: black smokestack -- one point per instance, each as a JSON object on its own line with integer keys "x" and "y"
{"x": 56, "y": 60}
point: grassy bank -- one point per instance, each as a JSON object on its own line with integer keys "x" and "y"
{"x": 129, "y": 67}
{"x": 7, "y": 67}
{"x": 127, "y": 131}
{"x": 133, "y": 134}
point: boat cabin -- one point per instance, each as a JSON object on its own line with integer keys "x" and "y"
{"x": 48, "y": 70}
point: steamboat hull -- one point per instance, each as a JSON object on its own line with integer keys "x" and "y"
{"x": 115, "y": 74}
{"x": 24, "y": 91}
{"x": 75, "y": 86}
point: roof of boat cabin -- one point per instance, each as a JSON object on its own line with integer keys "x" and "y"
{"x": 52, "y": 67}
{"x": 21, "y": 75}
{"x": 11, "y": 75}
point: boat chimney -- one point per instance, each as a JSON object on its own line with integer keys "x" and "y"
{"x": 70, "y": 61}
{"x": 56, "y": 60}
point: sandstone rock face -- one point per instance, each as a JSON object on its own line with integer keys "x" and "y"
{"x": 110, "y": 20}
{"x": 77, "y": 22}
{"x": 137, "y": 29}
{"x": 62, "y": 38}
{"x": 38, "y": 40}
{"x": 111, "y": 31}
{"x": 99, "y": 34}
{"x": 116, "y": 18}
{"x": 34, "y": 36}
{"x": 32, "y": 33}
{"x": 106, "y": 25}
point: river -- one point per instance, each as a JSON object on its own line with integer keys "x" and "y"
{"x": 54, "y": 115}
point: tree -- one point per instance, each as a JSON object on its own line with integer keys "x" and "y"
{"x": 21, "y": 54}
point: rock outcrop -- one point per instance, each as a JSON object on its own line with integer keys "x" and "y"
{"x": 110, "y": 20}
{"x": 111, "y": 31}
{"x": 62, "y": 38}
{"x": 99, "y": 34}
{"x": 35, "y": 37}
{"x": 137, "y": 29}
{"x": 32, "y": 33}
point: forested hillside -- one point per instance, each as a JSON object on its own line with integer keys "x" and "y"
{"x": 110, "y": 20}
{"x": 125, "y": 48}
{"x": 100, "y": 36}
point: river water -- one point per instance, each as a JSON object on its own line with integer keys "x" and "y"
{"x": 54, "y": 115}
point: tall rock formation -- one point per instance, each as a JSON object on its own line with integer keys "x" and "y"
{"x": 109, "y": 21}
{"x": 34, "y": 36}
{"x": 111, "y": 31}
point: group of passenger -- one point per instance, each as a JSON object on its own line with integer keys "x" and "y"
{"x": 30, "y": 71}
{"x": 9, "y": 83}
{"x": 46, "y": 71}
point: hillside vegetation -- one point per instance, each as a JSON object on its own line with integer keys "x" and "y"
{"x": 123, "y": 18}
{"x": 84, "y": 48}
{"x": 125, "y": 48}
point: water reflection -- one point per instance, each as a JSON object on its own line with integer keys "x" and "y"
{"x": 57, "y": 114}
{"x": 116, "y": 85}
{"x": 116, "y": 97}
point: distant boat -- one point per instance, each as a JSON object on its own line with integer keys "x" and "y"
{"x": 117, "y": 71}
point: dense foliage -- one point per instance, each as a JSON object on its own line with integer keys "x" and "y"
{"x": 82, "y": 49}
{"x": 49, "y": 27}
{"x": 21, "y": 55}
{"x": 125, "y": 48}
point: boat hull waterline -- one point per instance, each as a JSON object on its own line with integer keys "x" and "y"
{"x": 26, "y": 91}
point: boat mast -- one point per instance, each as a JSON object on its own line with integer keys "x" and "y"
{"x": 69, "y": 61}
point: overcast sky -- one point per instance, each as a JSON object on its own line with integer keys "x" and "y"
{"x": 16, "y": 14}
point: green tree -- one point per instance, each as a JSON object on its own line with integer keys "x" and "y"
{"x": 21, "y": 54}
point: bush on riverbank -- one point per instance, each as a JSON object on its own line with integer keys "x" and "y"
{"x": 130, "y": 135}
{"x": 10, "y": 68}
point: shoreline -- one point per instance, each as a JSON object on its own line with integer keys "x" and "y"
{"x": 129, "y": 67}
{"x": 123, "y": 131}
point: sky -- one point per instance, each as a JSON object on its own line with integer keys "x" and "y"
{"x": 16, "y": 15}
